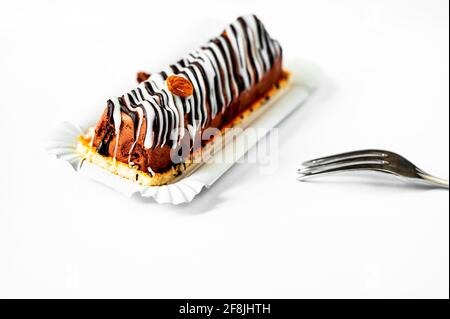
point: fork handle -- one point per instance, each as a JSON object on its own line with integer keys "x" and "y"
{"x": 435, "y": 180}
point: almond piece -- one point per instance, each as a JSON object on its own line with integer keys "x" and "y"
{"x": 180, "y": 86}
{"x": 142, "y": 76}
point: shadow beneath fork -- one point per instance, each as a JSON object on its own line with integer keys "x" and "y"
{"x": 371, "y": 179}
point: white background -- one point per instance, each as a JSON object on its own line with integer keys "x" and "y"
{"x": 251, "y": 235}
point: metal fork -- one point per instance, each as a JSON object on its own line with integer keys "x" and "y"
{"x": 369, "y": 160}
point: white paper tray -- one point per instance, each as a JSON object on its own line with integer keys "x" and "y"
{"x": 63, "y": 140}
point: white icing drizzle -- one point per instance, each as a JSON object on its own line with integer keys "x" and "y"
{"x": 236, "y": 42}
{"x": 141, "y": 118}
{"x": 221, "y": 65}
{"x": 151, "y": 171}
{"x": 117, "y": 118}
{"x": 219, "y": 72}
{"x": 229, "y": 66}
{"x": 150, "y": 117}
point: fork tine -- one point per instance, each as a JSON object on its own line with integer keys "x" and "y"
{"x": 326, "y": 169}
{"x": 343, "y": 164}
{"x": 342, "y": 156}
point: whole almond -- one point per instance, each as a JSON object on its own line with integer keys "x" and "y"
{"x": 180, "y": 86}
